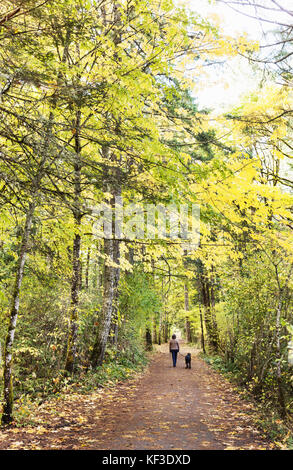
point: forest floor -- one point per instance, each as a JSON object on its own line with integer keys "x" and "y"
{"x": 163, "y": 408}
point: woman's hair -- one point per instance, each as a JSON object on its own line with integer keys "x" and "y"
{"x": 173, "y": 336}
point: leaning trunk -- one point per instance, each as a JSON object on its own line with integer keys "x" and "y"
{"x": 107, "y": 307}
{"x": 8, "y": 386}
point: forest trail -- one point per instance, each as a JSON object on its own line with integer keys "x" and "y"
{"x": 165, "y": 408}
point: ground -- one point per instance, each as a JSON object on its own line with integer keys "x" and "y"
{"x": 163, "y": 408}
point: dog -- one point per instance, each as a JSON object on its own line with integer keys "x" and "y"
{"x": 188, "y": 361}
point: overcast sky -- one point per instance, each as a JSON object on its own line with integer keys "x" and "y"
{"x": 236, "y": 78}
{"x": 227, "y": 83}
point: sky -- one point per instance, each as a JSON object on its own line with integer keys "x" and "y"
{"x": 234, "y": 22}
{"x": 227, "y": 82}
{"x": 236, "y": 78}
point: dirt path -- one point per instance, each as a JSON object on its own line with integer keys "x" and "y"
{"x": 166, "y": 408}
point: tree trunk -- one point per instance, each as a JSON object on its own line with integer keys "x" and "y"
{"x": 213, "y": 312}
{"x": 282, "y": 294}
{"x": 160, "y": 316}
{"x": 148, "y": 339}
{"x": 160, "y": 331}
{"x": 8, "y": 385}
{"x": 281, "y": 397}
{"x": 7, "y": 374}
{"x": 166, "y": 322}
{"x": 75, "y": 288}
{"x": 210, "y": 324}
{"x": 186, "y": 302}
{"x": 87, "y": 271}
{"x": 202, "y": 330}
{"x": 107, "y": 307}
{"x": 155, "y": 336}
{"x": 116, "y": 259}
{"x": 76, "y": 263}
{"x": 101, "y": 266}
{"x": 186, "y": 306}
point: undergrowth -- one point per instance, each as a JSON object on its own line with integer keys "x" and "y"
{"x": 267, "y": 418}
{"x": 118, "y": 367}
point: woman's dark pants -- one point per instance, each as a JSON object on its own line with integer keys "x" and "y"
{"x": 174, "y": 357}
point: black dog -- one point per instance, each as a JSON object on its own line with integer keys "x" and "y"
{"x": 188, "y": 361}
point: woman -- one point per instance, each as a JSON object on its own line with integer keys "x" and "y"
{"x": 174, "y": 349}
